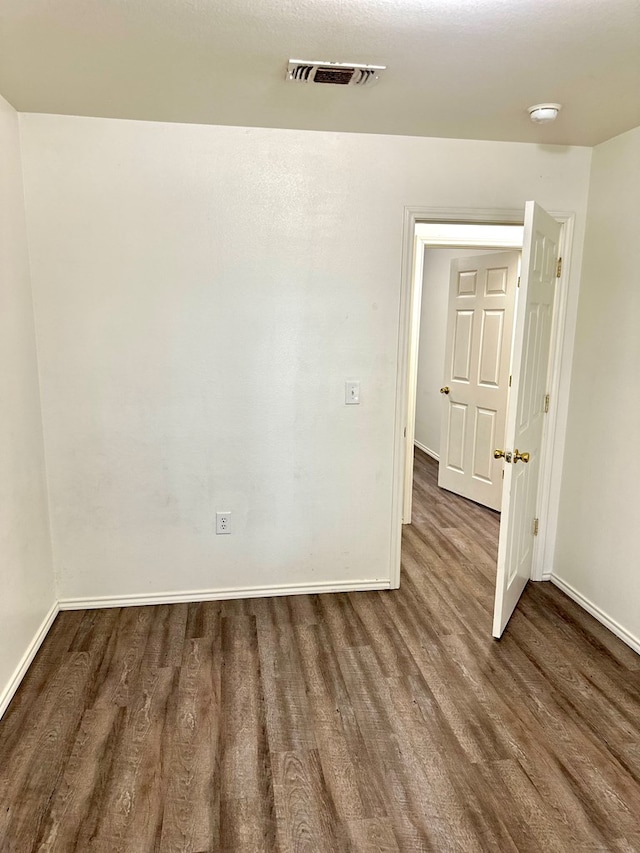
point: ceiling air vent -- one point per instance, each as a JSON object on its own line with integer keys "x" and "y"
{"x": 335, "y": 73}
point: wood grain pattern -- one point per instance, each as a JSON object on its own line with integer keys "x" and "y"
{"x": 374, "y": 721}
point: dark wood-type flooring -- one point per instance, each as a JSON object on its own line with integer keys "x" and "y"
{"x": 377, "y": 721}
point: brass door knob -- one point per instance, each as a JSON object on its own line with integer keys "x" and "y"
{"x": 445, "y": 389}
{"x": 498, "y": 454}
{"x": 517, "y": 456}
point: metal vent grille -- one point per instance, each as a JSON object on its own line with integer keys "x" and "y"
{"x": 333, "y": 73}
{"x": 341, "y": 76}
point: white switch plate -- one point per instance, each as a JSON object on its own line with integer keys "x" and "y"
{"x": 352, "y": 393}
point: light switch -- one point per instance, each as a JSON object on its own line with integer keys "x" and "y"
{"x": 352, "y": 393}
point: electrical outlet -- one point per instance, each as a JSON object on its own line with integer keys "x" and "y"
{"x": 223, "y": 522}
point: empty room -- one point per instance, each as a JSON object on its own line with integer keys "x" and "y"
{"x": 319, "y": 482}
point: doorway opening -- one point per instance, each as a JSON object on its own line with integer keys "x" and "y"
{"x": 443, "y": 254}
{"x": 537, "y": 370}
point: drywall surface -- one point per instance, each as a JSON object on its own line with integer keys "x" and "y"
{"x": 433, "y": 333}
{"x": 26, "y": 575}
{"x": 202, "y": 294}
{"x": 598, "y": 549}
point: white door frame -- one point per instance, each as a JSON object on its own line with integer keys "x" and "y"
{"x": 420, "y": 244}
{"x": 410, "y": 296}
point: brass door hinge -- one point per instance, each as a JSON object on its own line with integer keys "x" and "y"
{"x": 509, "y": 381}
{"x": 547, "y": 400}
{"x": 559, "y": 268}
{"x": 536, "y": 526}
{"x": 518, "y": 281}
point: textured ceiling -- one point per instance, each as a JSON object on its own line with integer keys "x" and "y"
{"x": 456, "y": 68}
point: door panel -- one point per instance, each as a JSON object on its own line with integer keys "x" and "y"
{"x": 525, "y": 417}
{"x": 483, "y": 444}
{"x": 467, "y": 283}
{"x": 490, "y": 347}
{"x": 482, "y": 293}
{"x": 461, "y": 366}
{"x": 455, "y": 434}
{"x": 497, "y": 280}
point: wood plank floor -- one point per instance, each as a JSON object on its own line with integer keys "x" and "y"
{"x": 368, "y": 722}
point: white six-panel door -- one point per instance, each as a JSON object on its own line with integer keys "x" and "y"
{"x": 476, "y": 376}
{"x": 526, "y": 411}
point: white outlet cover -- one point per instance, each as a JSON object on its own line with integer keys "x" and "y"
{"x": 223, "y": 522}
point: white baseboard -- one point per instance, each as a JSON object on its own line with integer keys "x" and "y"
{"x": 7, "y": 694}
{"x": 180, "y": 597}
{"x": 600, "y": 615}
{"x": 426, "y": 450}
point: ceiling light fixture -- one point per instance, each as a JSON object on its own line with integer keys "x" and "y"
{"x": 541, "y": 113}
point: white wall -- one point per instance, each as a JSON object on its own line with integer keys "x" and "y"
{"x": 26, "y": 574}
{"x": 598, "y": 550}
{"x": 433, "y": 332}
{"x": 201, "y": 295}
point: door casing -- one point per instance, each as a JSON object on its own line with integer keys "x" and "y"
{"x": 417, "y": 265}
{"x": 564, "y": 316}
